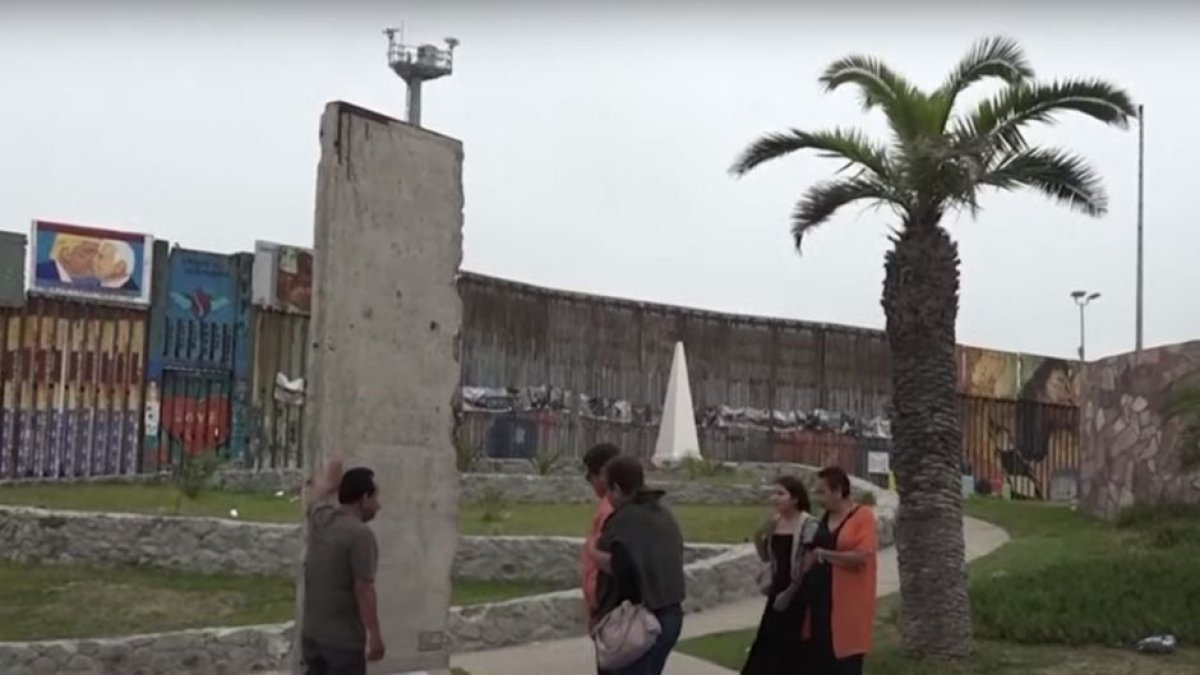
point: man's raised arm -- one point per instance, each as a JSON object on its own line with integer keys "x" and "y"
{"x": 325, "y": 484}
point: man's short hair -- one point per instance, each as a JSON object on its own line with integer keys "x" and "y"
{"x": 625, "y": 472}
{"x": 835, "y": 479}
{"x": 598, "y": 456}
{"x": 356, "y": 484}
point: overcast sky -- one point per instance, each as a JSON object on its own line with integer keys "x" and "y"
{"x": 597, "y": 143}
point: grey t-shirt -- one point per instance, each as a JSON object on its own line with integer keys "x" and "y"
{"x": 341, "y": 552}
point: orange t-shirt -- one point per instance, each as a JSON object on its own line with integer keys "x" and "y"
{"x": 588, "y": 571}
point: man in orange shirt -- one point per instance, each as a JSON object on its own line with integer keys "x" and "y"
{"x": 593, "y": 462}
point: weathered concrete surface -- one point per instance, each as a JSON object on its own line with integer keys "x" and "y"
{"x": 383, "y": 367}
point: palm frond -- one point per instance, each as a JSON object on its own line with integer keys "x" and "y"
{"x": 1058, "y": 174}
{"x": 822, "y": 200}
{"x": 998, "y": 57}
{"x": 1000, "y": 120}
{"x": 879, "y": 86}
{"x": 995, "y": 57}
{"x": 850, "y": 145}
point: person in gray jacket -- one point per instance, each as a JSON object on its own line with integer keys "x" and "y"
{"x": 640, "y": 555}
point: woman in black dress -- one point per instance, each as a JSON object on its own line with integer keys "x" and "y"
{"x": 782, "y": 544}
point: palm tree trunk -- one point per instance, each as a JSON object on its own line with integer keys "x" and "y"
{"x": 920, "y": 300}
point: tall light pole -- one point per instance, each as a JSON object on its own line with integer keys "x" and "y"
{"x": 1140, "y": 208}
{"x": 1083, "y": 299}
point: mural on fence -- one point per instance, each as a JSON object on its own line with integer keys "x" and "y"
{"x": 88, "y": 262}
{"x": 1031, "y": 444}
{"x": 194, "y": 355}
{"x": 71, "y": 380}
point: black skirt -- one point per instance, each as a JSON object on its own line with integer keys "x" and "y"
{"x": 777, "y": 648}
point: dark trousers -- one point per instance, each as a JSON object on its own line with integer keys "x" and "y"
{"x": 654, "y": 661}
{"x": 324, "y": 660}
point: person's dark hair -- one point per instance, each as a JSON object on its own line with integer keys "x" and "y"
{"x": 835, "y": 479}
{"x": 795, "y": 488}
{"x": 356, "y": 484}
{"x": 599, "y": 455}
{"x": 626, "y": 473}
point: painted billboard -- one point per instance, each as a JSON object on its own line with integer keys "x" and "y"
{"x": 283, "y": 277}
{"x": 106, "y": 265}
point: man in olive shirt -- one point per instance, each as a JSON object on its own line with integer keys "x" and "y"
{"x": 341, "y": 623}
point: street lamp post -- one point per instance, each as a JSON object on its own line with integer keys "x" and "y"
{"x": 1083, "y": 299}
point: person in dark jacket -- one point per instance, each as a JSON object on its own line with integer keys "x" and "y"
{"x": 640, "y": 555}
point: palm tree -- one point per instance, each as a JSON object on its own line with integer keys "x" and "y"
{"x": 943, "y": 151}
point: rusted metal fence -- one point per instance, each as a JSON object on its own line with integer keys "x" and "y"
{"x": 277, "y": 389}
{"x": 71, "y": 377}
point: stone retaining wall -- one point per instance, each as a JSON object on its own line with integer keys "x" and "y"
{"x": 1131, "y": 455}
{"x": 711, "y": 581}
{"x": 209, "y": 651}
{"x": 214, "y": 545}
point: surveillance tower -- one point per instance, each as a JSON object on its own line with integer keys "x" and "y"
{"x": 417, "y": 63}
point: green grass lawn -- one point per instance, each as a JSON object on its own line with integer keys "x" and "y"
{"x": 710, "y": 524}
{"x": 1055, "y": 598}
{"x": 39, "y": 602}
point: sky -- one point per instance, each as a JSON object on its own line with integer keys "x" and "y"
{"x": 598, "y": 137}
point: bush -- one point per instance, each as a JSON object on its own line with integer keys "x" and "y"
{"x": 192, "y": 473}
{"x": 549, "y": 462}
{"x": 697, "y": 469}
{"x": 466, "y": 456}
{"x": 493, "y": 503}
{"x": 1115, "y": 600}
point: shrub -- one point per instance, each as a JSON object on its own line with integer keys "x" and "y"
{"x": 192, "y": 474}
{"x": 493, "y": 503}
{"x": 549, "y": 462}
{"x": 697, "y": 469}
{"x": 466, "y": 456}
{"x": 1115, "y": 599}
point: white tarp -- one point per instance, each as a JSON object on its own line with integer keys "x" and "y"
{"x": 677, "y": 438}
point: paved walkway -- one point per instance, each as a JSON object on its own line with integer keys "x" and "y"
{"x": 574, "y": 656}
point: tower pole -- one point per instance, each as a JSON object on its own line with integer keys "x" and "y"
{"x": 1140, "y": 223}
{"x": 414, "y": 101}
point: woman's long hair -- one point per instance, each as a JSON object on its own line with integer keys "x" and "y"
{"x": 795, "y": 488}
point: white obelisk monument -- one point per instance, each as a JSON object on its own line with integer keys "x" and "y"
{"x": 677, "y": 438}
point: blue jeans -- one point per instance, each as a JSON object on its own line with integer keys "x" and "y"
{"x": 655, "y": 660}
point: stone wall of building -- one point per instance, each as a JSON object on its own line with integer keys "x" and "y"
{"x": 1130, "y": 454}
